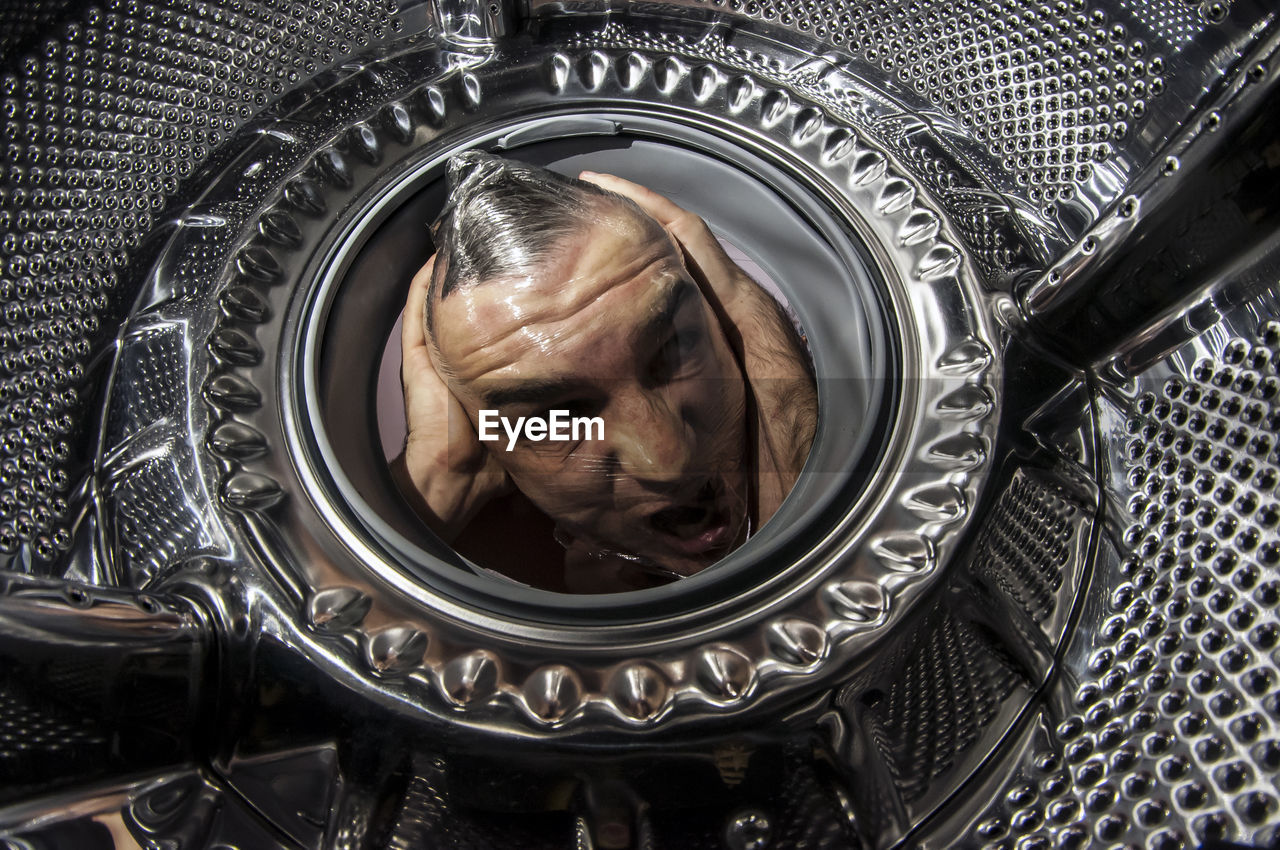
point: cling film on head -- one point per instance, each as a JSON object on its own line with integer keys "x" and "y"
{"x": 597, "y": 397}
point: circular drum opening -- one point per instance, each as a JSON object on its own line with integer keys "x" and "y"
{"x": 779, "y": 225}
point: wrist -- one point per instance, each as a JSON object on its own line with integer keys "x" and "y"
{"x": 444, "y": 500}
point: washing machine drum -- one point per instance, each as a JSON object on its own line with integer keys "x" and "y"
{"x": 1022, "y": 593}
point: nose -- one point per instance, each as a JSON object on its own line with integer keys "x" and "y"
{"x": 650, "y": 439}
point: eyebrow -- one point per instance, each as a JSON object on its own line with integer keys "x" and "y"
{"x": 542, "y": 390}
{"x": 529, "y": 392}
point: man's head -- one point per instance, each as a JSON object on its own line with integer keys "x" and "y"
{"x": 552, "y": 294}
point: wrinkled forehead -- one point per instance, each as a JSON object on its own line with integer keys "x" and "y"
{"x": 605, "y": 219}
{"x": 606, "y": 272}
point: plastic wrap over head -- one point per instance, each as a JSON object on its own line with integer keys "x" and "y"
{"x": 503, "y": 218}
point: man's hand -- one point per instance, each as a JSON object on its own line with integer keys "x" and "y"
{"x": 775, "y": 363}
{"x": 744, "y": 308}
{"x": 444, "y": 471}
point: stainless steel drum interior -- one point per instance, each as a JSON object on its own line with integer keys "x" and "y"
{"x": 1025, "y": 594}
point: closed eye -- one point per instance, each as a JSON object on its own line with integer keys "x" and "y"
{"x": 676, "y": 357}
{"x": 574, "y": 409}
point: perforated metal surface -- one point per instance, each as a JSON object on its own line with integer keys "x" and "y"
{"x": 25, "y": 22}
{"x": 31, "y": 731}
{"x": 1055, "y": 696}
{"x": 1048, "y": 87}
{"x": 1200, "y": 586}
{"x": 103, "y": 117}
{"x": 950, "y": 687}
{"x": 1026, "y": 544}
{"x": 1162, "y": 728}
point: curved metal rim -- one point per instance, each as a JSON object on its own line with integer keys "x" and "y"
{"x": 861, "y": 575}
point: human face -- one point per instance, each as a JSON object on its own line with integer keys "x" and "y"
{"x": 613, "y": 326}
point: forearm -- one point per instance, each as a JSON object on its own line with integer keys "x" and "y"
{"x": 444, "y": 499}
{"x": 778, "y": 371}
{"x": 775, "y": 351}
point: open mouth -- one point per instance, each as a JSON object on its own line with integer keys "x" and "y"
{"x": 697, "y": 527}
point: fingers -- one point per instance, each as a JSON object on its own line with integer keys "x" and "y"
{"x": 417, "y": 369}
{"x": 663, "y": 210}
{"x": 702, "y": 251}
{"x": 688, "y": 228}
{"x": 412, "y": 326}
